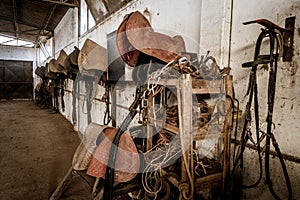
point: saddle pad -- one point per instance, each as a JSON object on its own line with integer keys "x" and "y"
{"x": 127, "y": 159}
{"x": 86, "y": 148}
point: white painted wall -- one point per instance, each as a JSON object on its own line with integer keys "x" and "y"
{"x": 208, "y": 23}
{"x": 17, "y": 53}
{"x": 215, "y": 37}
{"x": 161, "y": 18}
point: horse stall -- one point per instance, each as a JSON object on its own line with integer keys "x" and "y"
{"x": 157, "y": 99}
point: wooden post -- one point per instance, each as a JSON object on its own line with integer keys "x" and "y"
{"x": 227, "y": 131}
{"x": 149, "y": 122}
{"x": 185, "y": 103}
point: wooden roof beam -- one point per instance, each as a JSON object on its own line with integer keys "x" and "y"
{"x": 15, "y": 18}
{"x": 46, "y": 21}
{"x": 62, "y": 3}
{"x": 21, "y": 22}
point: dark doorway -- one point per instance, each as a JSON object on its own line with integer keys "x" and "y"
{"x": 16, "y": 79}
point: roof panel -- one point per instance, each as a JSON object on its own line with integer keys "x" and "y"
{"x": 38, "y": 11}
{"x": 7, "y": 28}
{"x": 56, "y": 17}
{"x": 31, "y": 17}
{"x": 6, "y": 8}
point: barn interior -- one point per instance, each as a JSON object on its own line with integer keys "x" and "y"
{"x": 149, "y": 99}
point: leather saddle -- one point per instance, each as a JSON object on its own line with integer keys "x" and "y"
{"x": 57, "y": 66}
{"x": 135, "y": 36}
{"x": 93, "y": 152}
{"x": 92, "y": 58}
{"x": 71, "y": 63}
{"x": 40, "y": 71}
{"x": 138, "y": 45}
{"x": 49, "y": 74}
{"x": 54, "y": 67}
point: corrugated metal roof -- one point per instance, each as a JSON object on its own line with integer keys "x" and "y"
{"x": 29, "y": 19}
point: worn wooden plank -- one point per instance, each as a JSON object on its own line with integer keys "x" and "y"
{"x": 171, "y": 128}
{"x": 227, "y": 131}
{"x": 150, "y": 122}
{"x": 200, "y": 134}
{"x": 185, "y": 128}
{"x": 213, "y": 131}
{"x": 201, "y": 86}
{"x": 62, "y": 185}
{"x": 209, "y": 181}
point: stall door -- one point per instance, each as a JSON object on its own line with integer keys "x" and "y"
{"x": 16, "y": 80}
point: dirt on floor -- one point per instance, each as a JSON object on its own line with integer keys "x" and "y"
{"x": 36, "y": 150}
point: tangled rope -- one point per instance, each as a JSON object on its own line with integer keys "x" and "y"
{"x": 160, "y": 156}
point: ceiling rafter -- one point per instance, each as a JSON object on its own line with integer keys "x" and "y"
{"x": 21, "y": 22}
{"x": 14, "y": 38}
{"x": 46, "y": 21}
{"x": 6, "y": 31}
{"x": 62, "y": 3}
{"x": 28, "y": 32}
{"x": 15, "y": 17}
{"x": 32, "y": 19}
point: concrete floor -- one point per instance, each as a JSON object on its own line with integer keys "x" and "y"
{"x": 36, "y": 150}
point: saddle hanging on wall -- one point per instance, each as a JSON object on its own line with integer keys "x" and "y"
{"x": 135, "y": 35}
{"x": 84, "y": 152}
{"x": 127, "y": 160}
{"x": 49, "y": 74}
{"x": 61, "y": 60}
{"x": 92, "y": 59}
{"x": 93, "y": 151}
{"x": 71, "y": 63}
{"x": 57, "y": 69}
{"x": 40, "y": 71}
{"x": 92, "y": 62}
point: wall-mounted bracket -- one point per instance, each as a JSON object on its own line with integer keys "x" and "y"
{"x": 287, "y": 34}
{"x": 288, "y": 39}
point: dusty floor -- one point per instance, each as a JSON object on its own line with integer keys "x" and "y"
{"x": 36, "y": 150}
